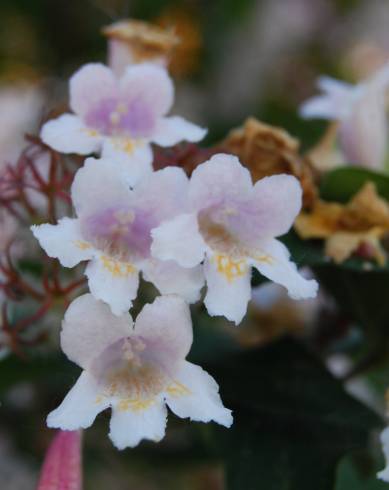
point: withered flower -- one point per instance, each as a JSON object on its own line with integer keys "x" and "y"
{"x": 133, "y": 41}
{"x": 267, "y": 150}
{"x": 357, "y": 226}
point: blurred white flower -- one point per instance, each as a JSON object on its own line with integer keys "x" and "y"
{"x": 361, "y": 113}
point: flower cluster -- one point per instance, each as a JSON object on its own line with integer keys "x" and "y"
{"x": 178, "y": 233}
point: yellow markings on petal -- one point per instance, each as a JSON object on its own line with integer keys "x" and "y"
{"x": 135, "y": 405}
{"x": 177, "y": 389}
{"x": 90, "y": 132}
{"x": 267, "y": 259}
{"x": 82, "y": 245}
{"x": 117, "y": 268}
{"x": 127, "y": 145}
{"x": 231, "y": 269}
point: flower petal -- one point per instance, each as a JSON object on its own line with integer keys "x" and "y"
{"x": 129, "y": 427}
{"x": 180, "y": 240}
{"x": 172, "y": 130}
{"x": 272, "y": 260}
{"x": 163, "y": 193}
{"x": 114, "y": 282}
{"x": 150, "y": 84}
{"x": 169, "y": 278}
{"x": 195, "y": 394}
{"x": 167, "y": 322}
{"x": 363, "y": 134}
{"x": 228, "y": 287}
{"x": 220, "y": 177}
{"x": 278, "y": 200}
{"x": 320, "y": 107}
{"x": 384, "y": 437}
{"x": 90, "y": 85}
{"x": 335, "y": 103}
{"x": 133, "y": 157}
{"x": 98, "y": 184}
{"x": 68, "y": 134}
{"x": 80, "y": 406}
{"x": 335, "y": 87}
{"x": 89, "y": 327}
{"x": 63, "y": 241}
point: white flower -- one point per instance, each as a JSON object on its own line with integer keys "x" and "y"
{"x": 120, "y": 117}
{"x": 361, "y": 112}
{"x": 113, "y": 231}
{"x": 384, "y": 474}
{"x": 134, "y": 369}
{"x": 233, "y": 224}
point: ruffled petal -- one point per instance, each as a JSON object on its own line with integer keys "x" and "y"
{"x": 89, "y": 327}
{"x": 272, "y": 260}
{"x": 277, "y": 200}
{"x": 68, "y": 134}
{"x": 163, "y": 193}
{"x": 150, "y": 84}
{"x": 221, "y": 177}
{"x": 133, "y": 157}
{"x": 129, "y": 427}
{"x": 80, "y": 407}
{"x": 195, "y": 394}
{"x": 114, "y": 282}
{"x": 228, "y": 287}
{"x": 98, "y": 184}
{"x": 172, "y": 130}
{"x": 180, "y": 240}
{"x": 90, "y": 85}
{"x": 64, "y": 241}
{"x": 169, "y": 278}
{"x": 167, "y": 323}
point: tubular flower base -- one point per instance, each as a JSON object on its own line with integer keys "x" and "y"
{"x": 62, "y": 465}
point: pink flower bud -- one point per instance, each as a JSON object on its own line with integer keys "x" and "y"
{"x": 61, "y": 468}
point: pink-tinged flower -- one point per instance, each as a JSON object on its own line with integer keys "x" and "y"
{"x": 120, "y": 117}
{"x": 232, "y": 225}
{"x": 134, "y": 369}
{"x": 62, "y": 465}
{"x": 361, "y": 111}
{"x": 113, "y": 232}
{"x": 384, "y": 474}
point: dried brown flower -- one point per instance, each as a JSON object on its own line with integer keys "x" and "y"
{"x": 357, "y": 226}
{"x": 268, "y": 150}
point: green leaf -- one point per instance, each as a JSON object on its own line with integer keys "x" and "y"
{"x": 358, "y": 472}
{"x": 343, "y": 183}
{"x": 292, "y": 420}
